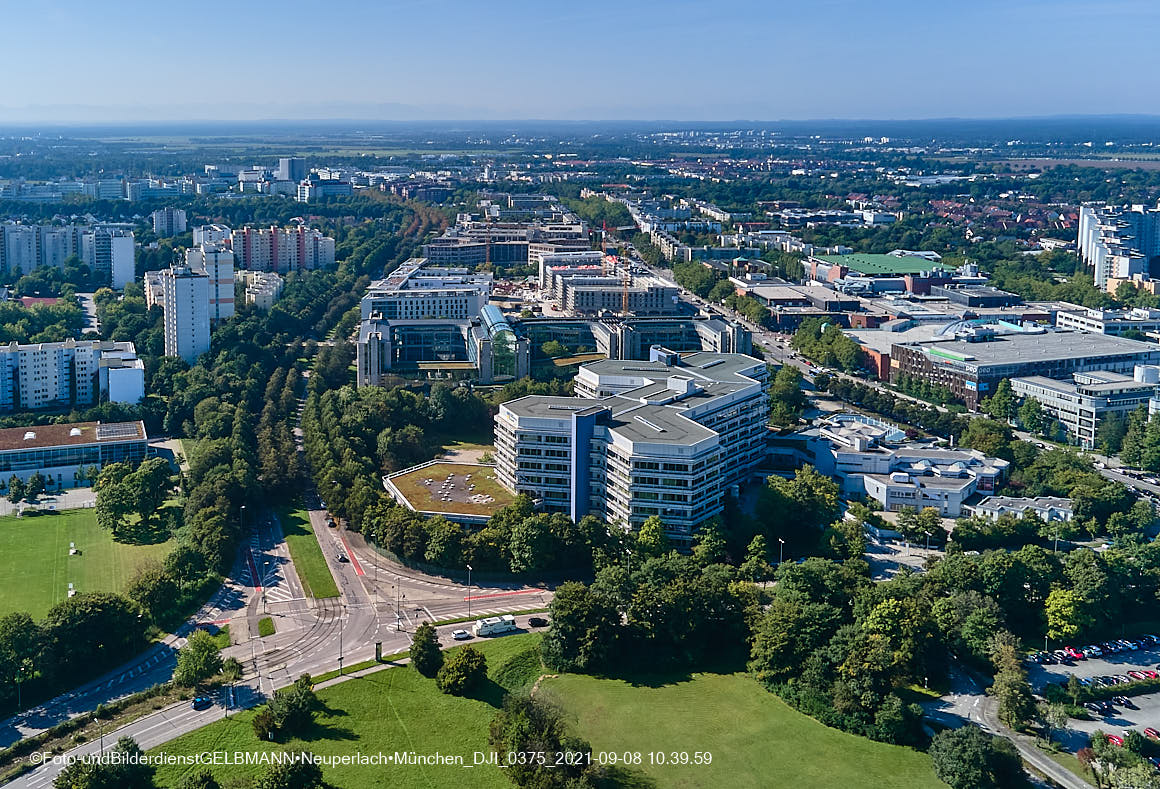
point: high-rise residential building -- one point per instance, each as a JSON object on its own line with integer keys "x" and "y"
{"x": 1118, "y": 242}
{"x": 216, "y": 262}
{"x": 185, "y": 299}
{"x": 666, "y": 437}
{"x": 18, "y": 248}
{"x": 281, "y": 249}
{"x": 73, "y": 373}
{"x": 211, "y": 234}
{"x": 113, "y": 254}
{"x": 290, "y": 169}
{"x": 169, "y": 221}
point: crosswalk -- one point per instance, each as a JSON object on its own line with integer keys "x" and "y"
{"x": 269, "y": 570}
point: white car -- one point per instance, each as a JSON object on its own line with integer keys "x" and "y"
{"x": 460, "y": 635}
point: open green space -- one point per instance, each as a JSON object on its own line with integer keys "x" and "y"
{"x": 426, "y": 497}
{"x": 306, "y": 553}
{"x": 265, "y": 627}
{"x": 754, "y": 738}
{"x": 36, "y": 568}
{"x": 388, "y": 711}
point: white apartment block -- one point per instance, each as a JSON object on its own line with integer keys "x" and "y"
{"x": 281, "y": 249}
{"x": 1118, "y": 242}
{"x": 185, "y": 299}
{"x": 415, "y": 291}
{"x": 262, "y": 288}
{"x": 169, "y": 221}
{"x": 211, "y": 234}
{"x": 665, "y": 437}
{"x": 70, "y": 373}
{"x": 109, "y": 251}
{"x": 217, "y": 263}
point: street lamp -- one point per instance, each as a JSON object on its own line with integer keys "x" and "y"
{"x": 469, "y": 591}
{"x": 341, "y": 627}
{"x": 927, "y": 541}
{"x": 399, "y": 598}
{"x": 780, "y": 551}
{"x": 242, "y": 517}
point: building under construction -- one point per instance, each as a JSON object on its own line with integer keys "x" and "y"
{"x": 589, "y": 283}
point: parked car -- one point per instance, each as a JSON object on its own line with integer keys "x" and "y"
{"x": 1151, "y": 674}
{"x": 1150, "y": 732}
{"x": 1092, "y": 707}
{"x": 537, "y": 621}
{"x": 1137, "y": 675}
{"x": 1073, "y": 653}
{"x": 1115, "y": 739}
{"x": 460, "y": 635}
{"x": 1124, "y": 701}
{"x": 201, "y": 703}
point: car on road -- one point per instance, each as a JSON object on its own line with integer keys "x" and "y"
{"x": 201, "y": 703}
{"x": 460, "y": 635}
{"x": 341, "y": 557}
{"x": 537, "y": 621}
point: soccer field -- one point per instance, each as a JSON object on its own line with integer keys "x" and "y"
{"x": 36, "y": 569}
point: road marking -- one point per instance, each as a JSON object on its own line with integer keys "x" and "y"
{"x": 358, "y": 570}
{"x": 503, "y": 594}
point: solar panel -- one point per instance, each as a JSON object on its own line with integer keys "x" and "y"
{"x": 118, "y": 430}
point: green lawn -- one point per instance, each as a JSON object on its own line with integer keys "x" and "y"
{"x": 393, "y": 710}
{"x": 307, "y": 553}
{"x": 265, "y": 627}
{"x": 427, "y": 498}
{"x": 755, "y": 739}
{"x": 36, "y": 569}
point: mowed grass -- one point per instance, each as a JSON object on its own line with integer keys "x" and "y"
{"x": 306, "y": 553}
{"x": 36, "y": 569}
{"x": 388, "y": 711}
{"x": 755, "y": 739}
{"x": 426, "y": 498}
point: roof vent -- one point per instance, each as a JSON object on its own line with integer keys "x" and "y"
{"x": 76, "y": 431}
{"x": 29, "y": 435}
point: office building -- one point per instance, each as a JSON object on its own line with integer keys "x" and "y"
{"x": 1080, "y": 404}
{"x": 217, "y": 263}
{"x": 168, "y": 222}
{"x": 1118, "y": 242}
{"x": 416, "y": 291}
{"x": 311, "y": 190}
{"x": 262, "y": 288}
{"x": 185, "y": 299}
{"x": 586, "y": 282}
{"x": 1118, "y": 322}
{"x": 60, "y": 452}
{"x": 295, "y": 248}
{"x": 973, "y": 364}
{"x": 665, "y": 437}
{"x": 290, "y": 169}
{"x": 73, "y": 373}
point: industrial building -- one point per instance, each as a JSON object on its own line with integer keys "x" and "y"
{"x": 666, "y": 437}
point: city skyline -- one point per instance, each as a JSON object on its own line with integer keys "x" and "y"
{"x": 677, "y": 61}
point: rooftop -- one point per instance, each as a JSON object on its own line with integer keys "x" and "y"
{"x": 865, "y": 263}
{"x": 1023, "y": 348}
{"x": 80, "y": 433}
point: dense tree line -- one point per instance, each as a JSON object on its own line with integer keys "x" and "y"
{"x": 826, "y": 344}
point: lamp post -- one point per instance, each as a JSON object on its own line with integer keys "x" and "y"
{"x": 780, "y": 551}
{"x": 927, "y": 541}
{"x": 469, "y": 591}
{"x": 341, "y": 627}
{"x": 399, "y": 598}
{"x": 242, "y": 517}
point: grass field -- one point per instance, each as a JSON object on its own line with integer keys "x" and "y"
{"x": 755, "y": 739}
{"x": 307, "y": 553}
{"x": 426, "y": 498}
{"x": 36, "y": 569}
{"x": 395, "y": 709}
{"x": 266, "y": 627}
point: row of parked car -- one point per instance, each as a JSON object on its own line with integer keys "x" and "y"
{"x": 1069, "y": 654}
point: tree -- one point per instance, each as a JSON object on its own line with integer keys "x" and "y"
{"x": 294, "y": 707}
{"x": 584, "y": 625}
{"x": 529, "y": 726}
{"x": 155, "y": 591}
{"x": 264, "y": 723}
{"x": 1016, "y": 704}
{"x": 198, "y": 660}
{"x": 426, "y": 656}
{"x": 969, "y": 758}
{"x": 756, "y": 566}
{"x": 709, "y": 546}
{"x": 199, "y": 779}
{"x": 1031, "y": 415}
{"x": 15, "y": 489}
{"x": 1001, "y": 404}
{"x": 1066, "y": 615}
{"x": 651, "y": 539}
{"x": 1054, "y": 718}
{"x": 123, "y": 768}
{"x": 462, "y": 672}
{"x": 19, "y": 644}
{"x": 301, "y": 772}
{"x": 35, "y": 486}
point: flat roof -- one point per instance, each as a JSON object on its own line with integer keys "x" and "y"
{"x": 866, "y": 263}
{"x": 1023, "y": 348}
{"x": 77, "y": 434}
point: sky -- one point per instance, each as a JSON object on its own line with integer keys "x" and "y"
{"x": 124, "y": 60}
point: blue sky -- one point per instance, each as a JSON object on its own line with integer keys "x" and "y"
{"x": 589, "y": 59}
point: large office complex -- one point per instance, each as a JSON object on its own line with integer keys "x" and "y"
{"x": 217, "y": 263}
{"x": 1080, "y": 404}
{"x": 185, "y": 299}
{"x": 1118, "y": 242}
{"x": 281, "y": 249}
{"x": 60, "y": 452}
{"x": 1118, "y": 322}
{"x": 290, "y": 169}
{"x": 581, "y": 283}
{"x": 972, "y": 365}
{"x": 73, "y": 373}
{"x": 416, "y": 291}
{"x": 168, "y": 221}
{"x": 664, "y": 437}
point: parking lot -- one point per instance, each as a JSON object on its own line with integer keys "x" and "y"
{"x": 1124, "y": 718}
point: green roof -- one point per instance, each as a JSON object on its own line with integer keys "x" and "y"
{"x": 865, "y": 263}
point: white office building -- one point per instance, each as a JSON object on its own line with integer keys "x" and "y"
{"x": 1089, "y": 397}
{"x": 185, "y": 298}
{"x": 667, "y": 437}
{"x": 416, "y": 291}
{"x": 217, "y": 263}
